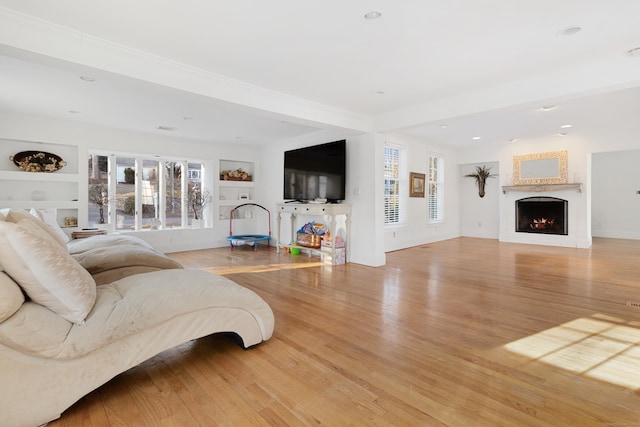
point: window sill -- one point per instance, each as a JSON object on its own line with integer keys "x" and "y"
{"x": 395, "y": 227}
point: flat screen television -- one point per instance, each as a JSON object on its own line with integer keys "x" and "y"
{"x": 316, "y": 172}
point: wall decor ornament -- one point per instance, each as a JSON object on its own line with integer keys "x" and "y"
{"x": 235, "y": 175}
{"x": 38, "y": 161}
{"x": 481, "y": 174}
{"x": 416, "y": 184}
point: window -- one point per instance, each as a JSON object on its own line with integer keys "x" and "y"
{"x": 436, "y": 188}
{"x": 172, "y": 179}
{"x": 98, "y": 189}
{"x": 125, "y": 196}
{"x": 392, "y": 186}
{"x": 134, "y": 193}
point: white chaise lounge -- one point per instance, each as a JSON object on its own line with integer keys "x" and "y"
{"x": 61, "y": 336}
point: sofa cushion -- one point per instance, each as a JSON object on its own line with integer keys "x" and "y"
{"x": 122, "y": 261}
{"x": 11, "y": 296}
{"x": 45, "y": 271}
{"x": 17, "y": 215}
{"x": 35, "y": 330}
{"x": 50, "y": 217}
{"x": 83, "y": 245}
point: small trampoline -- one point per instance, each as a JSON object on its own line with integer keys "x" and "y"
{"x": 248, "y": 239}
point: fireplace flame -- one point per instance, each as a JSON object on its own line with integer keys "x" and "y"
{"x": 542, "y": 223}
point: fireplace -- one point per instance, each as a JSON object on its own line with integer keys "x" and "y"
{"x": 547, "y": 215}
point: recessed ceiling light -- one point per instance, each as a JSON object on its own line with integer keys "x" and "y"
{"x": 569, "y": 31}
{"x": 74, "y": 112}
{"x": 547, "y": 107}
{"x": 166, "y": 128}
{"x": 444, "y": 126}
{"x": 87, "y": 78}
{"x": 563, "y": 134}
{"x": 513, "y": 140}
{"x": 475, "y": 138}
{"x": 566, "y": 126}
{"x": 373, "y": 15}
{"x": 635, "y": 52}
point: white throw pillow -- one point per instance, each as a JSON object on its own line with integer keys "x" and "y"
{"x": 46, "y": 272}
{"x": 17, "y": 215}
{"x": 50, "y": 217}
{"x": 11, "y": 297}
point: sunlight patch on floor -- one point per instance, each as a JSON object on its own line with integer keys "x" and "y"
{"x": 601, "y": 347}
{"x": 261, "y": 268}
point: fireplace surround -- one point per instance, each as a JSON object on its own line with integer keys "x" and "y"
{"x": 546, "y": 215}
{"x": 576, "y": 218}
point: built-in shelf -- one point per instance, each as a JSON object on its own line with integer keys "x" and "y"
{"x": 40, "y": 204}
{"x": 239, "y": 184}
{"x": 229, "y": 168}
{"x": 38, "y": 176}
{"x": 232, "y": 191}
{"x": 41, "y": 190}
{"x": 542, "y": 188}
{"x": 234, "y": 203}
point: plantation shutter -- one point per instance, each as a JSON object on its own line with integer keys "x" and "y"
{"x": 391, "y": 185}
{"x": 436, "y": 188}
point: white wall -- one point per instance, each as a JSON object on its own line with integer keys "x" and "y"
{"x": 480, "y": 216}
{"x": 612, "y": 190}
{"x": 417, "y": 231}
{"x": 364, "y": 181}
{"x": 366, "y": 232}
{"x": 86, "y": 137}
{"x": 616, "y": 203}
{"x": 365, "y": 192}
{"x": 578, "y": 152}
{"x": 579, "y": 202}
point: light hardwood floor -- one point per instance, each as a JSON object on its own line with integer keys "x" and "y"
{"x": 465, "y": 332}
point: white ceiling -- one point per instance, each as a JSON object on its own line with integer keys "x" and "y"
{"x": 258, "y": 72}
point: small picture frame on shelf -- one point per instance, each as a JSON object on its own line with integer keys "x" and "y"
{"x": 243, "y": 196}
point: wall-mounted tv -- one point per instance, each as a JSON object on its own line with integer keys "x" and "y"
{"x": 316, "y": 172}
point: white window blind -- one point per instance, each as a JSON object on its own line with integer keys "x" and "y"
{"x": 392, "y": 202}
{"x": 436, "y": 188}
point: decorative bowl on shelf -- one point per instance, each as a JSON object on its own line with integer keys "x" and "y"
{"x": 38, "y": 161}
{"x": 235, "y": 175}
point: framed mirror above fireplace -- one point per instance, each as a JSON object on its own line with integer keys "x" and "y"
{"x": 540, "y": 168}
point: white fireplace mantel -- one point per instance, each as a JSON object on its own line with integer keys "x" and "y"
{"x": 578, "y": 233}
{"x": 541, "y": 188}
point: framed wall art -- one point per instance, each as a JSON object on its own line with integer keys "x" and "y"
{"x": 416, "y": 184}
